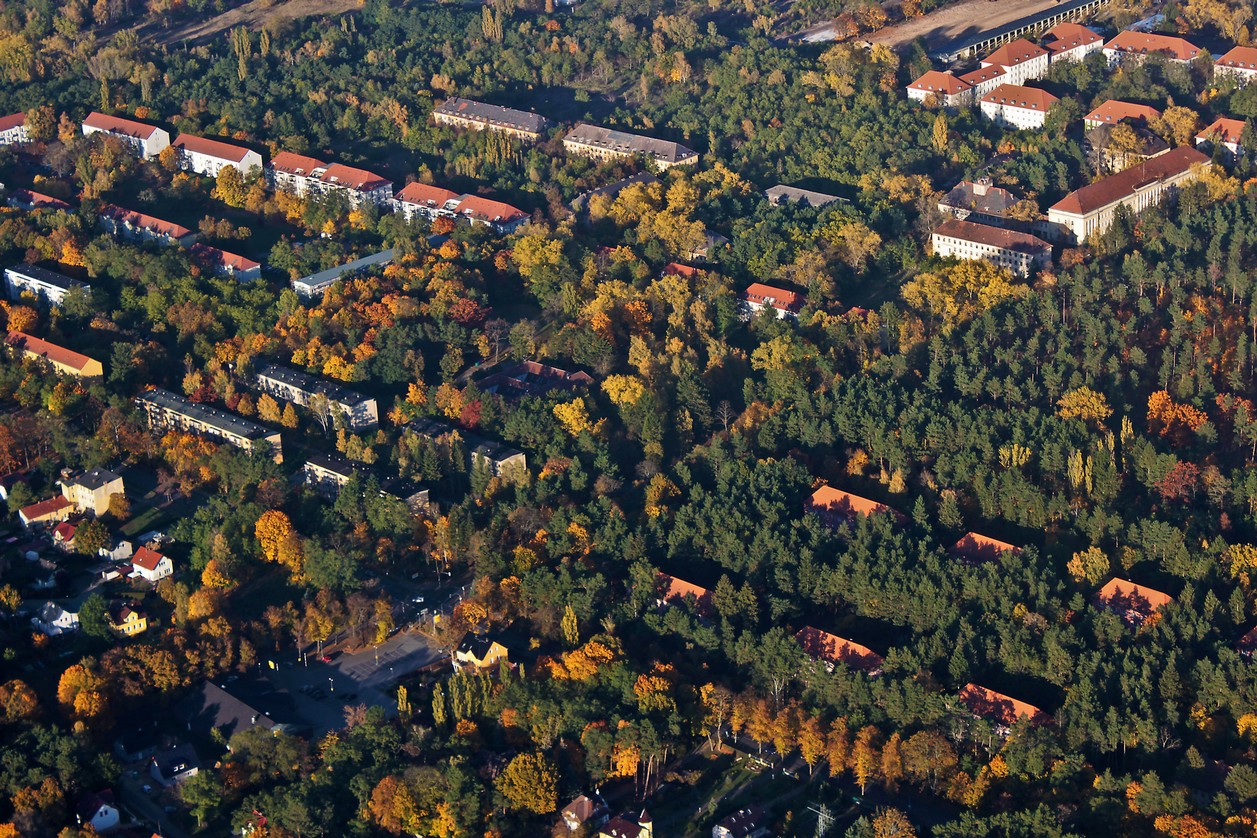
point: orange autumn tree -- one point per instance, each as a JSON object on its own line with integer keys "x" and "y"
{"x": 1171, "y": 420}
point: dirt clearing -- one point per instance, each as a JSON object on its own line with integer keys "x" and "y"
{"x": 254, "y": 15}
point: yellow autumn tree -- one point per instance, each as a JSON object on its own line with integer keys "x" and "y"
{"x": 530, "y": 783}
{"x": 271, "y": 530}
{"x": 1090, "y": 565}
{"x": 574, "y": 417}
{"x": 1085, "y": 404}
{"x": 214, "y": 576}
{"x": 959, "y": 292}
{"x": 623, "y": 390}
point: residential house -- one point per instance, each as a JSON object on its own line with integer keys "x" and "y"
{"x": 127, "y": 619}
{"x": 940, "y": 87}
{"x": 480, "y": 116}
{"x": 241, "y": 705}
{"x": 1133, "y": 603}
{"x": 136, "y": 744}
{"x": 119, "y": 551}
{"x": 92, "y": 490}
{"x": 1001, "y": 710}
{"x": 151, "y": 566}
{"x": 1017, "y": 107}
{"x": 758, "y": 296}
{"x": 51, "y": 511}
{"x": 1114, "y": 111}
{"x": 316, "y": 284}
{"x": 13, "y": 129}
{"x": 30, "y": 200}
{"x": 751, "y": 822}
{"x": 1240, "y": 63}
{"x": 304, "y": 176}
{"x": 319, "y": 395}
{"x": 712, "y": 242}
{"x": 327, "y": 475}
{"x": 47, "y": 285}
{"x": 606, "y": 144}
{"x": 53, "y": 620}
{"x": 585, "y": 812}
{"x": 146, "y": 140}
{"x": 671, "y": 590}
{"x": 501, "y": 218}
{"x": 629, "y": 826}
{"x": 830, "y": 649}
{"x": 1071, "y": 42}
{"x": 782, "y": 194}
{"x": 63, "y": 535}
{"x": 835, "y": 506}
{"x": 1020, "y": 60}
{"x": 1021, "y": 253}
{"x": 1247, "y": 644}
{"x": 137, "y": 226}
{"x": 45, "y": 578}
{"x": 424, "y": 200}
{"x": 530, "y": 378}
{"x": 1223, "y": 133}
{"x": 226, "y": 264}
{"x": 1115, "y": 153}
{"x": 1136, "y": 46}
{"x": 482, "y": 650}
{"x": 208, "y": 157}
{"x": 1091, "y": 209}
{"x": 973, "y": 548}
{"x": 99, "y": 811}
{"x": 175, "y": 765}
{"x": 414, "y": 495}
{"x": 501, "y": 460}
{"x": 980, "y": 201}
{"x": 168, "y": 411}
{"x": 982, "y": 81}
{"x": 64, "y": 361}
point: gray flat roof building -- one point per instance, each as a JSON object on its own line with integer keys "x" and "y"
{"x": 608, "y": 144}
{"x": 170, "y": 410}
{"x": 483, "y": 116}
{"x": 316, "y": 284}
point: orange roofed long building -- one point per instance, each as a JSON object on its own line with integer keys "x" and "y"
{"x": 945, "y": 88}
{"x": 672, "y": 590}
{"x": 975, "y": 547}
{"x": 1240, "y": 63}
{"x": 1114, "y": 111}
{"x": 144, "y": 139}
{"x": 1133, "y": 603}
{"x": 1072, "y": 42}
{"x": 1224, "y": 132}
{"x": 1137, "y": 46}
{"x": 1002, "y": 710}
{"x": 63, "y": 360}
{"x": 835, "y": 506}
{"x": 759, "y": 296}
{"x": 832, "y": 649}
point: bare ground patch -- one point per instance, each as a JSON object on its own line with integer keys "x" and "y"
{"x": 253, "y": 15}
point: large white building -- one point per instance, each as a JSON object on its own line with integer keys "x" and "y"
{"x": 49, "y": 286}
{"x": 1017, "y": 107}
{"x": 146, "y": 140}
{"x": 944, "y": 88}
{"x": 1227, "y": 133}
{"x": 1021, "y": 253}
{"x": 1091, "y": 210}
{"x": 983, "y": 80}
{"x": 304, "y": 176}
{"x": 432, "y": 202}
{"x": 1114, "y": 111}
{"x": 1136, "y": 46}
{"x": 1020, "y": 60}
{"x": 13, "y": 129}
{"x": 1071, "y": 42}
{"x": 1240, "y": 63}
{"x": 169, "y": 411}
{"x": 606, "y": 144}
{"x": 291, "y": 385}
{"x": 480, "y": 116}
{"x": 209, "y": 157}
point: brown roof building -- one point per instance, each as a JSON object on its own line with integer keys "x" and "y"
{"x": 832, "y": 649}
{"x": 1138, "y": 45}
{"x": 65, "y": 361}
{"x": 1240, "y": 62}
{"x": 944, "y": 87}
{"x": 29, "y": 199}
{"x": 1016, "y": 106}
{"x": 1224, "y": 132}
{"x": 136, "y": 225}
{"x": 1114, "y": 111}
{"x": 759, "y": 296}
{"x": 147, "y": 140}
{"x": 974, "y": 547}
{"x": 1002, "y": 710}
{"x": 835, "y": 506}
{"x": 481, "y": 116}
{"x": 1133, "y": 603}
{"x": 1021, "y": 253}
{"x": 1072, "y": 42}
{"x": 673, "y": 590}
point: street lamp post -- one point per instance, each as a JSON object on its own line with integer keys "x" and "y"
{"x": 331, "y": 685}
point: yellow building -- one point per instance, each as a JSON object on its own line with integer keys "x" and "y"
{"x": 127, "y": 620}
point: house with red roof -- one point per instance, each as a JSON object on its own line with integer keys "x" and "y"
{"x": 672, "y": 590}
{"x": 1133, "y": 603}
{"x": 226, "y": 264}
{"x": 1136, "y": 46}
{"x": 208, "y": 157}
{"x": 1114, "y": 111}
{"x": 944, "y": 88}
{"x": 1014, "y": 106}
{"x": 1020, "y": 60}
{"x": 146, "y": 140}
{"x": 302, "y": 176}
{"x": 975, "y": 548}
{"x": 29, "y": 199}
{"x": 63, "y": 536}
{"x": 835, "y": 506}
{"x": 1247, "y": 644}
{"x": 983, "y": 80}
{"x": 501, "y": 218}
{"x": 1071, "y": 42}
{"x": 1001, "y": 710}
{"x": 1224, "y": 133}
{"x": 425, "y": 200}
{"x": 13, "y": 129}
{"x": 129, "y": 224}
{"x": 1240, "y": 64}
{"x": 759, "y": 296}
{"x": 830, "y": 649}
{"x": 51, "y": 511}
{"x": 150, "y": 565}
{"x": 62, "y": 360}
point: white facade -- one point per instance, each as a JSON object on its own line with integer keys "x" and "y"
{"x": 45, "y": 284}
{"x": 359, "y": 411}
{"x": 1028, "y": 256}
{"x": 146, "y": 140}
{"x": 13, "y": 130}
{"x": 1017, "y": 107}
{"x": 209, "y": 157}
{"x": 1020, "y": 71}
{"x": 1012, "y": 116}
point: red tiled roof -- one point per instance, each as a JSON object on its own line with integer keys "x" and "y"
{"x": 211, "y": 148}
{"x": 1223, "y": 130}
{"x": 64, "y": 532}
{"x": 1248, "y": 643}
{"x": 778, "y": 298}
{"x": 348, "y": 176}
{"x": 975, "y": 77}
{"x": 677, "y": 269}
{"x": 118, "y": 125}
{"x": 1067, "y": 36}
{"x": 37, "y": 200}
{"x": 936, "y": 81}
{"x": 1016, "y": 96}
{"x": 672, "y": 589}
{"x": 56, "y": 354}
{"x": 1114, "y": 111}
{"x": 145, "y": 222}
{"x": 1014, "y": 53}
{"x": 1122, "y": 595}
{"x": 425, "y": 193}
{"x": 981, "y": 547}
{"x": 1240, "y": 58}
{"x": 1118, "y": 186}
{"x": 997, "y": 707}
{"x": 147, "y": 559}
{"x": 45, "y": 507}
{"x": 296, "y": 164}
{"x": 992, "y": 236}
{"x": 494, "y": 211}
{"x": 218, "y": 257}
{"x": 1142, "y": 43}
{"x": 12, "y": 121}
{"x": 829, "y": 499}
{"x": 835, "y": 649}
